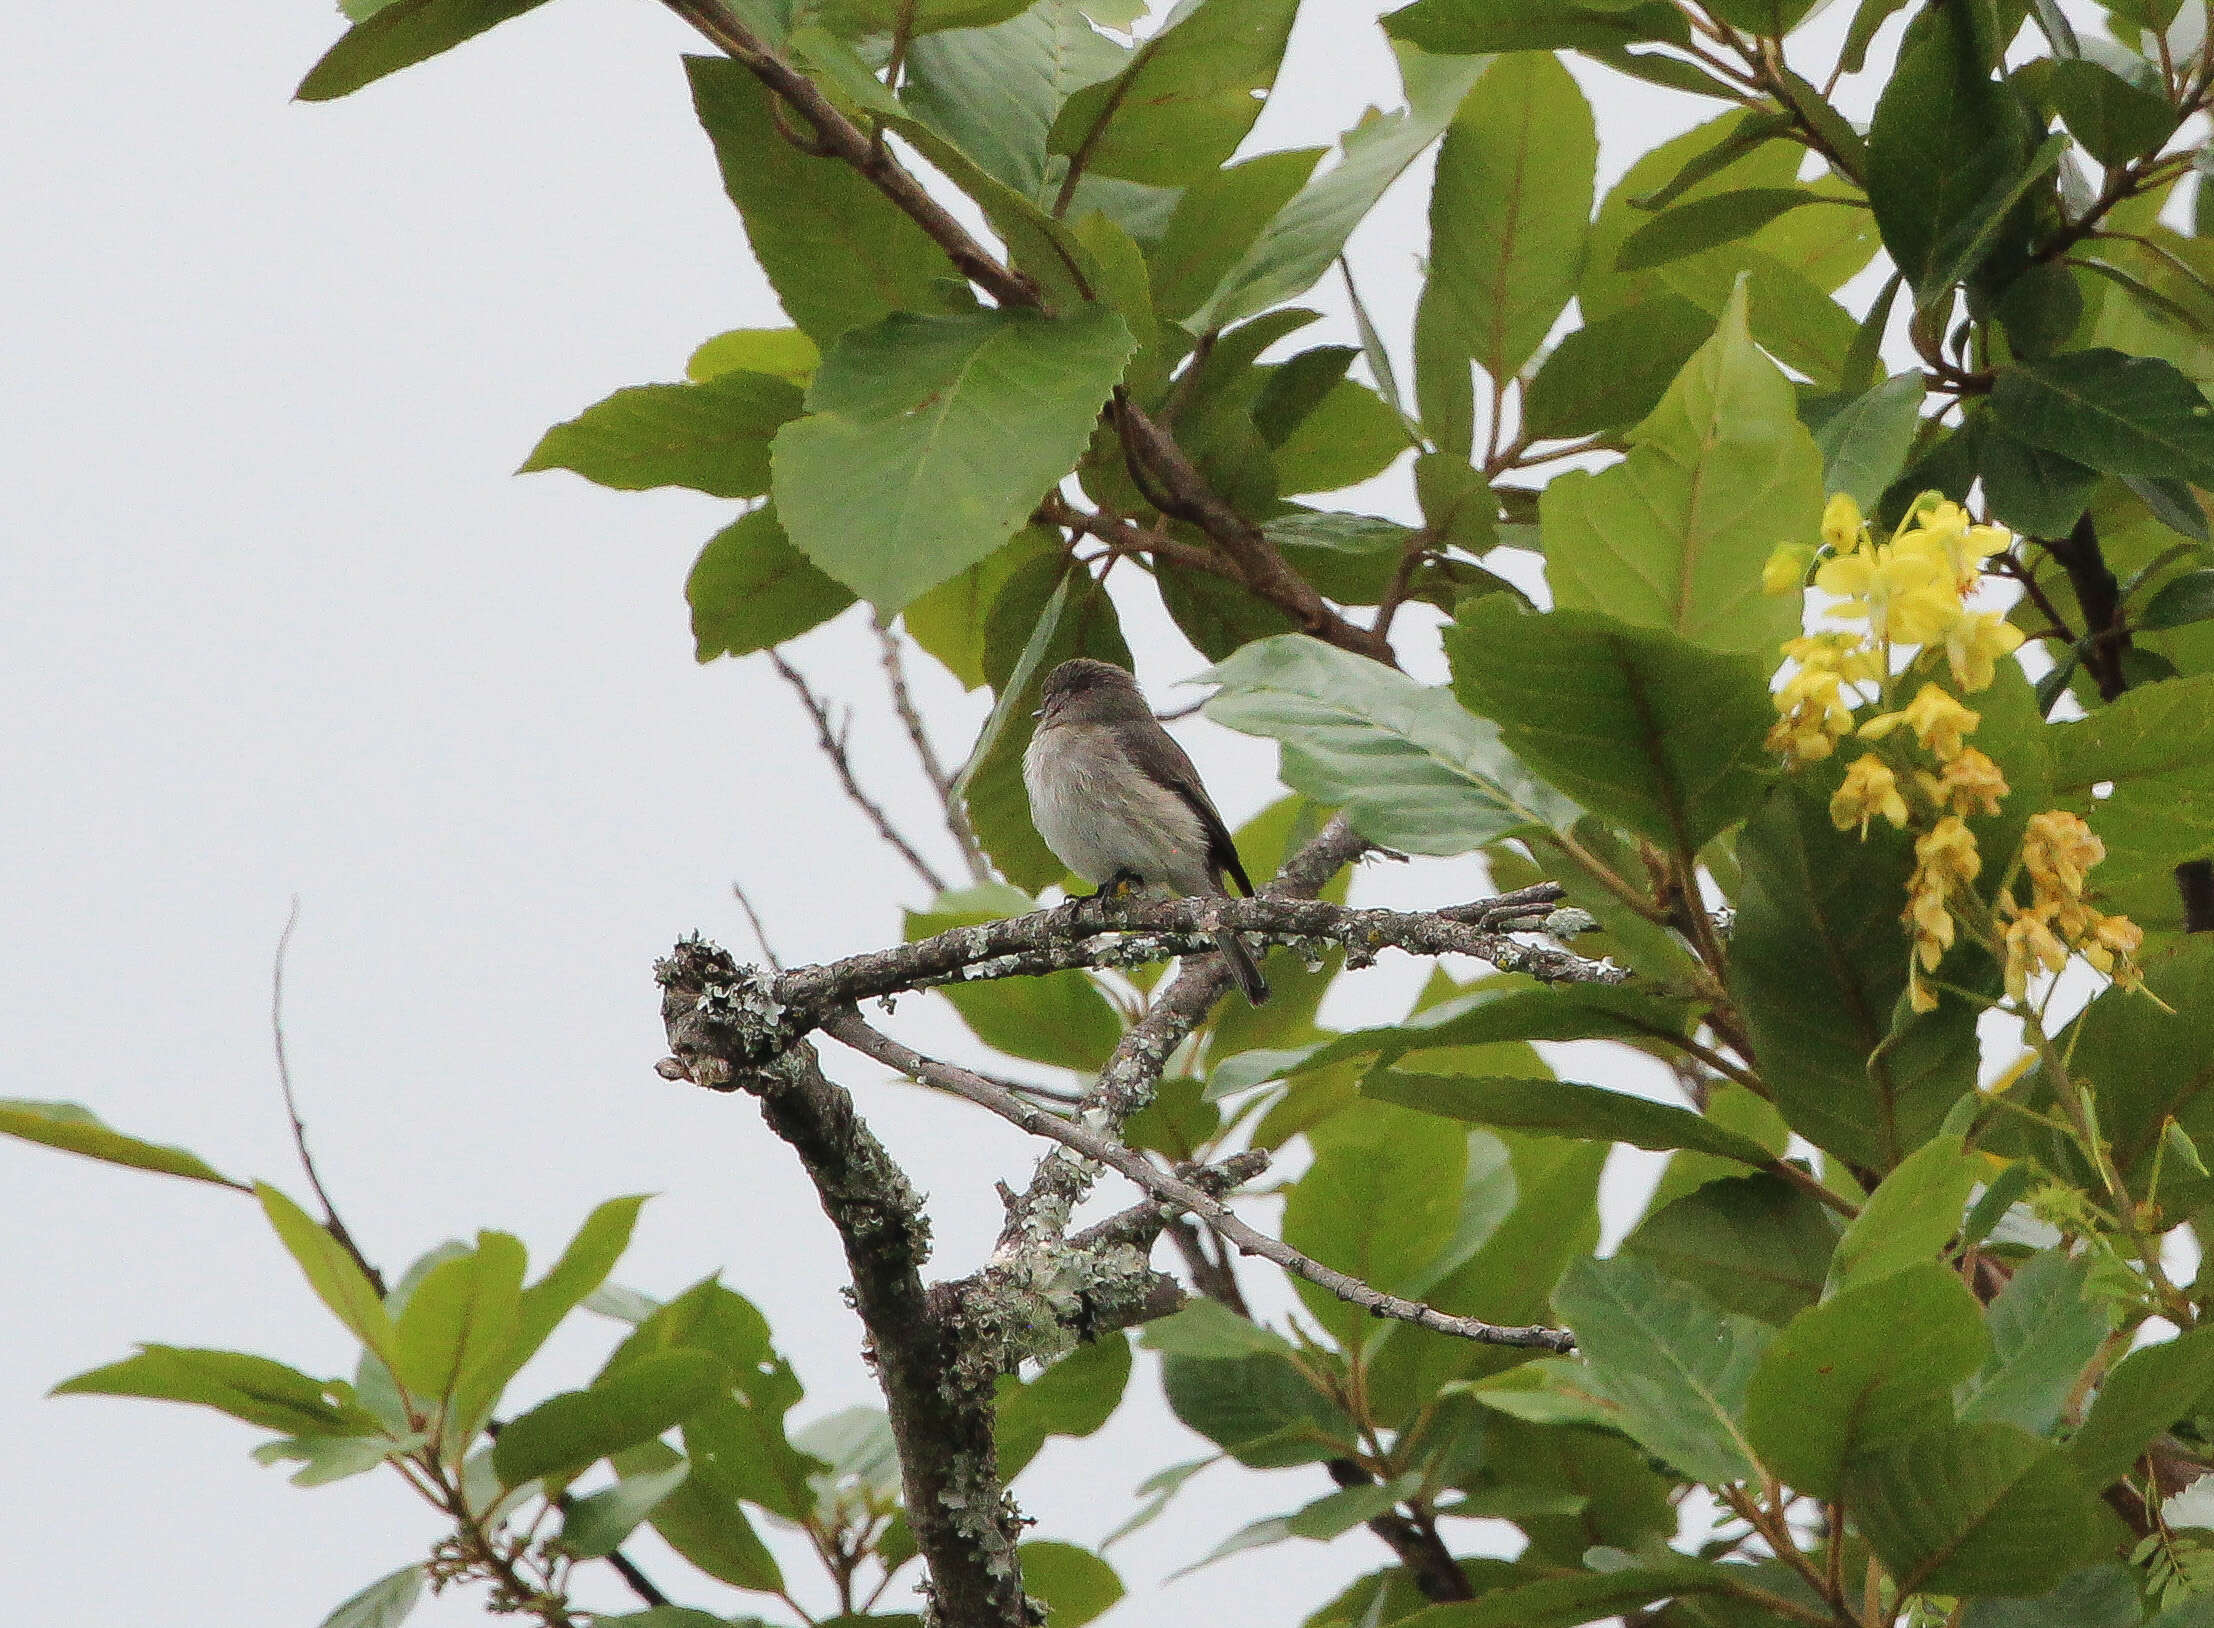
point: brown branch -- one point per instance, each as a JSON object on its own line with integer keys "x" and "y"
{"x": 332, "y": 1224}
{"x": 1097, "y": 1148}
{"x": 833, "y": 744}
{"x": 934, "y": 770}
{"x": 940, "y": 1407}
{"x": 1414, "y": 1539}
{"x": 760, "y": 933}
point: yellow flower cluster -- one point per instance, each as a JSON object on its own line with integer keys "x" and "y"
{"x": 2058, "y": 850}
{"x": 1911, "y": 592}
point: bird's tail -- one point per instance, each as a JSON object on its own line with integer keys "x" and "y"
{"x": 1242, "y": 966}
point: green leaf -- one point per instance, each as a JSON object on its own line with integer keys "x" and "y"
{"x": 1410, "y": 767}
{"x": 1640, "y": 726}
{"x": 1942, "y": 100}
{"x": 2043, "y": 1332}
{"x": 838, "y": 253}
{"x": 76, "y": 1129}
{"x": 2113, "y": 120}
{"x": 1218, "y": 218}
{"x": 1559, "y": 1108}
{"x": 1873, "y": 1366}
{"x": 1351, "y": 436}
{"x": 1754, "y": 1244}
{"x": 2103, "y": 1596}
{"x": 1380, "y": 1200}
{"x": 951, "y": 620}
{"x": 713, "y": 437}
{"x": 1562, "y": 1602}
{"x": 327, "y": 1459}
{"x": 1261, "y": 1409}
{"x": 331, "y": 1272}
{"x": 1074, "y": 1396}
{"x": 1913, "y": 1213}
{"x": 708, "y": 1529}
{"x": 2124, "y": 415}
{"x": 1509, "y": 212}
{"x": 1207, "y": 1328}
{"x": 1075, "y": 1584}
{"x": 2148, "y": 1391}
{"x": 1673, "y": 1361}
{"x": 2151, "y": 745}
{"x": 386, "y": 1602}
{"x": 1188, "y": 97}
{"x": 597, "y": 1525}
{"x": 2181, "y": 601}
{"x": 582, "y": 1268}
{"x": 1614, "y": 371}
{"x": 993, "y": 92}
{"x": 1304, "y": 240}
{"x": 1818, "y": 965}
{"x": 1472, "y": 27}
{"x": 256, "y": 1389}
{"x": 459, "y": 1323}
{"x": 750, "y": 589}
{"x": 1865, "y": 443}
{"x": 397, "y": 36}
{"x": 1674, "y": 537}
{"x": 2040, "y": 494}
{"x": 1061, "y": 1019}
{"x": 1702, "y": 223}
{"x": 636, "y": 1403}
{"x": 929, "y": 440}
{"x": 1974, "y": 1509}
{"x": 783, "y": 353}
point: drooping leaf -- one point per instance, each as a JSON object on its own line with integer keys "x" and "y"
{"x": 2123, "y": 415}
{"x": 1974, "y": 1509}
{"x": 1614, "y": 371}
{"x": 385, "y": 1603}
{"x": 1189, "y": 95}
{"x": 1675, "y": 1364}
{"x": 2148, "y": 1391}
{"x": 994, "y": 92}
{"x": 1913, "y": 1213}
{"x": 707, "y": 1527}
{"x": 76, "y": 1129}
{"x": 750, "y": 589}
{"x": 2113, "y": 120}
{"x": 1303, "y": 241}
{"x": 1818, "y": 964}
{"x": 399, "y": 35}
{"x": 256, "y": 1389}
{"x": 1074, "y": 1396}
{"x": 1674, "y": 537}
{"x": 1704, "y": 222}
{"x": 1509, "y": 211}
{"x": 1942, "y": 99}
{"x": 1637, "y": 724}
{"x": 929, "y": 440}
{"x": 1873, "y": 1366}
{"x": 1260, "y": 1409}
{"x": 1075, "y": 1584}
{"x": 712, "y": 436}
{"x": 783, "y": 353}
{"x": 839, "y": 254}
{"x": 1755, "y": 1244}
{"x": 598, "y": 1524}
{"x": 1410, "y": 766}
{"x": 1865, "y": 442}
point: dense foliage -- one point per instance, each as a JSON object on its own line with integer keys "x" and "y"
{"x": 1897, "y": 1337}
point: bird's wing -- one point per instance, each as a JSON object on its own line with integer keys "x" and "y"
{"x": 1165, "y": 761}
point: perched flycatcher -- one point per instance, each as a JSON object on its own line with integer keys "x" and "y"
{"x": 1117, "y": 799}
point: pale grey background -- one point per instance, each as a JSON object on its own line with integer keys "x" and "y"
{"x": 279, "y": 620}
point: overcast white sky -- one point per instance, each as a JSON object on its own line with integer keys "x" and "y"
{"x": 280, "y": 620}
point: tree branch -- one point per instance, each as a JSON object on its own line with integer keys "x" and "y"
{"x": 833, "y": 745}
{"x": 903, "y": 702}
{"x": 1096, "y": 1148}
{"x": 941, "y": 1409}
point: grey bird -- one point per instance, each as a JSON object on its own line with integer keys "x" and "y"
{"x": 1117, "y": 800}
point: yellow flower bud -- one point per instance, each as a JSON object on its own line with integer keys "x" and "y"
{"x": 1786, "y": 570}
{"x": 1842, "y": 527}
{"x": 1870, "y": 791}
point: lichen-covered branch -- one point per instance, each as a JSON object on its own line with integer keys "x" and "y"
{"x": 940, "y": 1407}
{"x": 847, "y": 1026}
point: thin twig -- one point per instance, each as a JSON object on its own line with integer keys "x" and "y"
{"x": 934, "y": 769}
{"x": 331, "y": 1222}
{"x": 833, "y": 745}
{"x": 753, "y": 920}
{"x": 847, "y": 1026}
